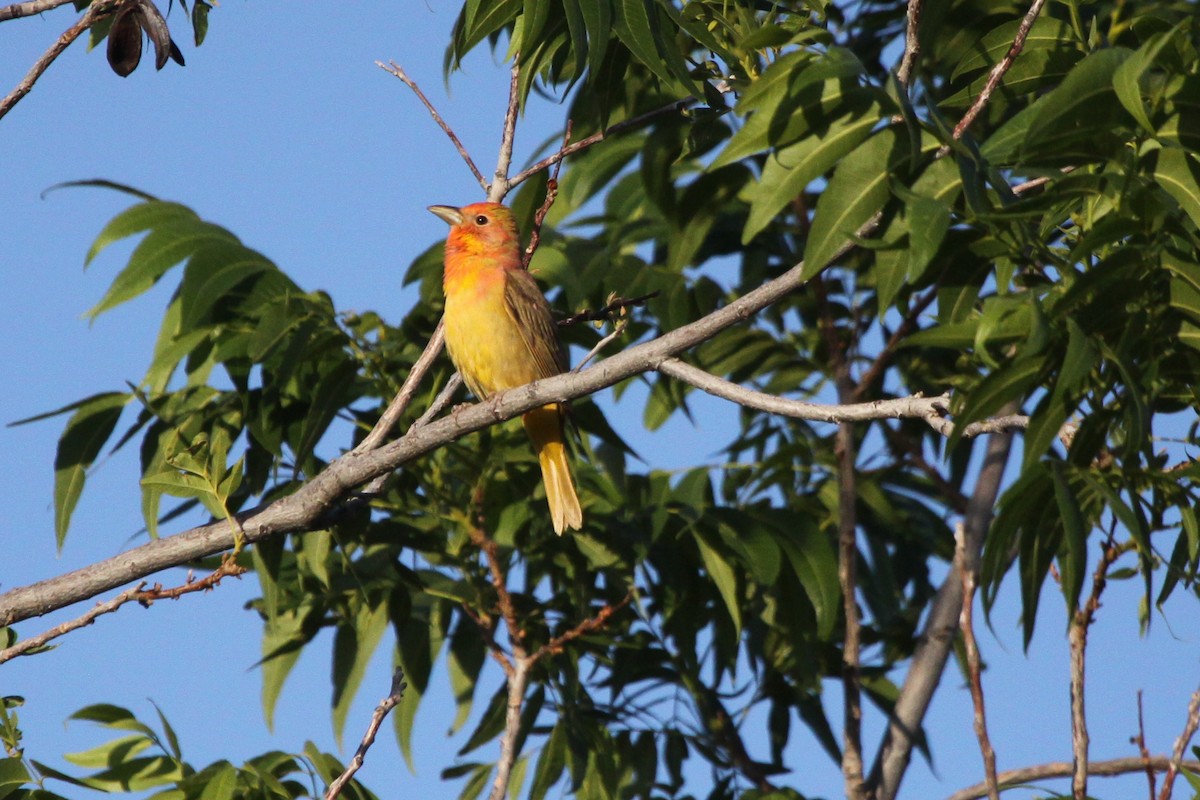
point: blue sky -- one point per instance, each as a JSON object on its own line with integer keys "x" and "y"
{"x": 282, "y": 129}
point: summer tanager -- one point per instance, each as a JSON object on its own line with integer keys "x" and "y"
{"x": 501, "y": 335}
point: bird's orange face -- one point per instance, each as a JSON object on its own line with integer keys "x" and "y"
{"x": 480, "y": 229}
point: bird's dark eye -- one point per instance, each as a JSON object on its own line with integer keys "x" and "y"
{"x": 481, "y": 220}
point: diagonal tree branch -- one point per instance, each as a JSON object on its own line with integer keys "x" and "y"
{"x": 1063, "y": 769}
{"x": 500, "y": 185}
{"x": 381, "y": 711}
{"x": 305, "y": 508}
{"x": 96, "y": 12}
{"x": 937, "y": 637}
{"x": 398, "y": 71}
{"x": 1189, "y": 730}
{"x": 27, "y": 9}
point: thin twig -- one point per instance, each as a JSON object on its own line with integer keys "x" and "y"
{"x": 1063, "y": 769}
{"x": 1081, "y": 620}
{"x": 589, "y": 625}
{"x": 138, "y": 593}
{"x": 906, "y": 326}
{"x": 606, "y": 312}
{"x": 598, "y": 136}
{"x": 399, "y": 72}
{"x": 381, "y": 711}
{"x": 1001, "y": 67}
{"x": 34, "y": 642}
{"x": 17, "y": 10}
{"x": 603, "y": 343}
{"x": 535, "y": 233}
{"x": 844, "y": 451}
{"x": 96, "y": 12}
{"x": 912, "y": 44}
{"x": 974, "y": 665}
{"x": 500, "y": 185}
{"x": 408, "y": 390}
{"x": 1181, "y": 744}
{"x": 1140, "y": 741}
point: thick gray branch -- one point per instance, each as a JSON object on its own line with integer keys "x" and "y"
{"x": 304, "y": 509}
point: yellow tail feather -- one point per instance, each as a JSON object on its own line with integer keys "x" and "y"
{"x": 545, "y": 428}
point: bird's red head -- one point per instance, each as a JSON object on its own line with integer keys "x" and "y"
{"x": 481, "y": 229}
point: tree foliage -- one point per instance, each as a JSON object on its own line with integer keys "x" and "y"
{"x": 1045, "y": 261}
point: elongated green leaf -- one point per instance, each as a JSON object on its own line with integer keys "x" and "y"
{"x": 1127, "y": 80}
{"x": 1045, "y": 33}
{"x": 597, "y": 16}
{"x": 857, "y": 190}
{"x": 136, "y": 219}
{"x": 12, "y": 775}
{"x": 353, "y": 646}
{"x": 81, "y": 442}
{"x": 211, "y": 274}
{"x": 789, "y": 170}
{"x": 1073, "y": 557}
{"x": 1178, "y": 174}
{"x": 723, "y": 575}
{"x": 642, "y": 35}
{"x": 815, "y": 564}
{"x": 1077, "y": 104}
{"x": 282, "y": 642}
{"x": 164, "y": 247}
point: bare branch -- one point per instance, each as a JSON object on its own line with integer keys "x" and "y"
{"x": 399, "y": 72}
{"x": 603, "y": 343}
{"x": 599, "y": 136}
{"x": 974, "y": 665}
{"x": 912, "y": 44}
{"x": 34, "y": 642}
{"x": 1181, "y": 744}
{"x": 604, "y": 313}
{"x": 96, "y": 12}
{"x": 408, "y": 390}
{"x": 589, "y": 625}
{"x": 518, "y": 679}
{"x": 1063, "y": 769}
{"x": 381, "y": 711}
{"x": 535, "y": 233}
{"x": 139, "y": 593}
{"x": 1001, "y": 67}
{"x": 500, "y": 185}
{"x": 937, "y": 637}
{"x": 27, "y": 9}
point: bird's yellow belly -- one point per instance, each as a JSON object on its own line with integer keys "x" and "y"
{"x": 486, "y": 345}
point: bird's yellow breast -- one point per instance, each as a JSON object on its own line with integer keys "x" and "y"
{"x": 483, "y": 338}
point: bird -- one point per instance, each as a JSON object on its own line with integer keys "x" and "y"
{"x": 500, "y": 334}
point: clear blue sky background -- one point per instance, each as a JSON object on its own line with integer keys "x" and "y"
{"x": 282, "y": 129}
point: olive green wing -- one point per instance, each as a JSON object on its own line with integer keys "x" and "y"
{"x": 529, "y": 308}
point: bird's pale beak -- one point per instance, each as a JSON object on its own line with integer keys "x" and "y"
{"x": 449, "y": 214}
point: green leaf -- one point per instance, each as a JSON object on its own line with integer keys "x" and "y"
{"x": 788, "y": 171}
{"x": 151, "y": 214}
{"x": 722, "y": 573}
{"x": 1177, "y": 173}
{"x": 1046, "y": 33}
{"x": 642, "y": 36}
{"x": 212, "y": 273}
{"x": 282, "y": 642}
{"x": 223, "y": 783}
{"x": 353, "y": 646}
{"x": 1011, "y": 382}
{"x": 1072, "y": 558}
{"x": 87, "y": 430}
{"x": 597, "y": 16}
{"x": 165, "y": 246}
{"x": 1071, "y": 109}
{"x": 12, "y": 774}
{"x": 550, "y": 763}
{"x": 857, "y": 190}
{"x": 1127, "y": 80}
{"x": 815, "y": 564}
